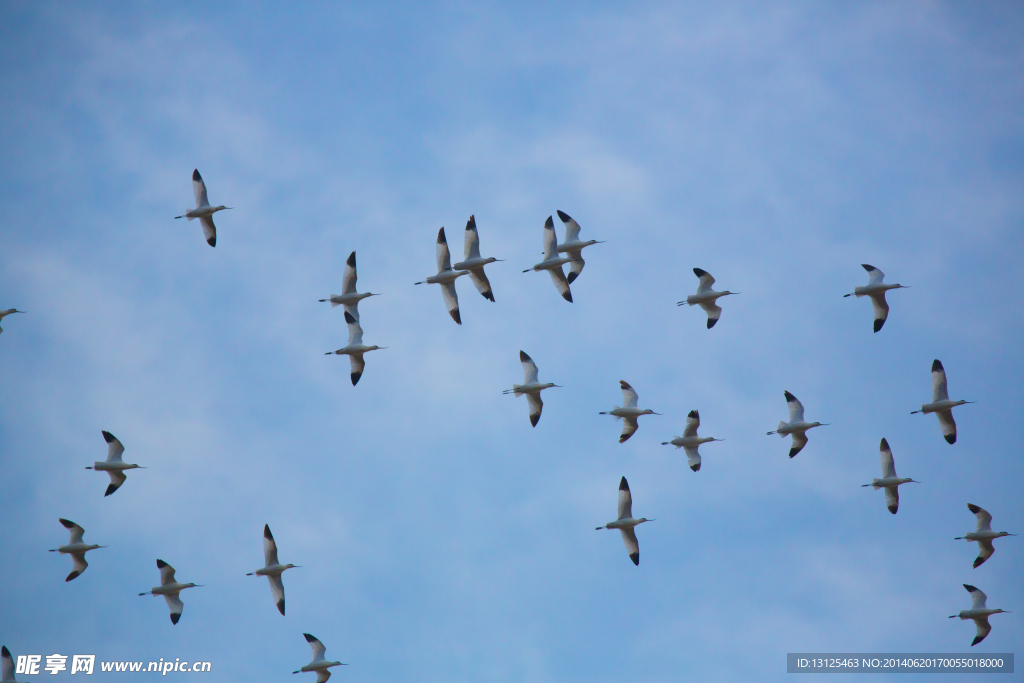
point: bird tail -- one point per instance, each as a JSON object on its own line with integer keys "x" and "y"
{"x": 333, "y": 302}
{"x": 516, "y": 390}
{"x": 781, "y": 425}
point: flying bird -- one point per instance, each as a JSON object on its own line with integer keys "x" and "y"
{"x": 628, "y": 412}
{"x": 4, "y": 314}
{"x": 531, "y": 387}
{"x": 889, "y": 481}
{"x": 203, "y": 211}
{"x": 983, "y": 535}
{"x": 474, "y": 263}
{"x": 355, "y": 348}
{"x": 169, "y": 588}
{"x": 573, "y": 246}
{"x": 626, "y": 523}
{"x": 553, "y": 262}
{"x": 349, "y": 297}
{"x": 318, "y": 664}
{"x": 875, "y": 289}
{"x": 76, "y": 547}
{"x": 6, "y": 666}
{"x": 706, "y": 297}
{"x": 113, "y": 465}
{"x": 446, "y": 277}
{"x": 689, "y": 441}
{"x": 978, "y": 612}
{"x": 941, "y": 405}
{"x": 796, "y": 425}
{"x": 272, "y": 568}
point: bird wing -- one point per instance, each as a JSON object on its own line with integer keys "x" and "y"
{"x": 948, "y": 424}
{"x": 572, "y": 228}
{"x": 174, "y": 602}
{"x": 625, "y": 500}
{"x": 692, "y": 457}
{"x": 875, "y": 276}
{"x": 166, "y": 572}
{"x": 692, "y": 422}
{"x": 796, "y": 408}
{"x": 984, "y": 518}
{"x": 706, "y": 280}
{"x": 451, "y": 300}
{"x": 319, "y": 651}
{"x": 977, "y": 597}
{"x": 277, "y": 591}
{"x": 714, "y": 312}
{"x": 117, "y": 478}
{"x": 472, "y": 241}
{"x": 881, "y": 307}
{"x": 79, "y": 561}
{"x": 632, "y": 545}
{"x": 483, "y": 285}
{"x": 76, "y": 531}
{"x": 529, "y": 368}
{"x": 939, "y": 391}
{"x": 536, "y": 405}
{"x": 888, "y": 464}
{"x": 576, "y": 266}
{"x": 983, "y": 629}
{"x": 269, "y": 547}
{"x": 985, "y": 550}
{"x": 6, "y": 665}
{"x": 355, "y": 330}
{"x": 892, "y": 498}
{"x": 550, "y": 240}
{"x": 444, "y": 257}
{"x": 114, "y": 447}
{"x": 358, "y": 364}
{"x": 199, "y": 189}
{"x": 322, "y": 675}
{"x": 799, "y": 441}
{"x": 629, "y": 427}
{"x": 561, "y": 284}
{"x": 348, "y": 280}
{"x": 209, "y": 230}
{"x": 629, "y": 395}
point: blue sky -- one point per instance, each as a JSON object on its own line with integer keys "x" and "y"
{"x": 440, "y": 537}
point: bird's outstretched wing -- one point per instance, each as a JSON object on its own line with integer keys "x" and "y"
{"x": 948, "y": 425}
{"x": 978, "y": 598}
{"x": 561, "y": 284}
{"x": 983, "y": 629}
{"x": 472, "y": 241}
{"x": 875, "y": 276}
{"x": 451, "y": 300}
{"x": 550, "y": 240}
{"x": 536, "y": 406}
{"x": 176, "y": 605}
{"x": 881, "y": 308}
{"x": 209, "y": 230}
{"x": 269, "y": 547}
{"x": 939, "y": 390}
{"x": 76, "y": 531}
{"x": 572, "y": 228}
{"x": 625, "y": 500}
{"x": 629, "y": 395}
{"x": 629, "y": 427}
{"x": 632, "y": 545}
{"x": 114, "y": 448}
{"x": 348, "y": 280}
{"x": 358, "y": 364}
{"x": 319, "y": 651}
{"x": 199, "y": 189}
{"x": 575, "y": 267}
{"x": 444, "y": 257}
{"x": 483, "y": 285}
{"x": 692, "y": 458}
{"x": 799, "y": 441}
{"x": 888, "y": 464}
{"x": 692, "y": 423}
{"x": 714, "y": 312}
{"x": 796, "y": 408}
{"x": 166, "y": 572}
{"x": 706, "y": 280}
{"x": 117, "y": 478}
{"x": 355, "y": 330}
{"x": 6, "y": 664}
{"x": 277, "y": 591}
{"x": 984, "y": 518}
{"x": 529, "y": 368}
{"x": 892, "y": 499}
{"x": 78, "y": 559}
{"x": 985, "y": 550}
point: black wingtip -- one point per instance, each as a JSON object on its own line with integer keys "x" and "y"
{"x": 5, "y": 652}
{"x": 699, "y": 273}
{"x": 878, "y": 323}
{"x": 565, "y": 218}
{"x": 160, "y": 564}
{"x": 523, "y": 358}
{"x": 196, "y": 176}
{"x": 793, "y": 452}
{"x": 456, "y": 316}
{"x": 471, "y": 223}
{"x": 66, "y": 522}
{"x": 489, "y": 295}
{"x": 108, "y": 437}
{"x": 973, "y": 508}
{"x": 309, "y": 637}
{"x": 695, "y": 468}
{"x": 979, "y": 561}
{"x": 440, "y": 237}
{"x": 970, "y": 588}
{"x": 567, "y": 296}
{"x": 977, "y": 639}
{"x": 280, "y": 607}
{"x": 349, "y": 319}
{"x": 884, "y": 445}
{"x": 937, "y": 366}
{"x": 175, "y": 617}
{"x": 355, "y": 377}
{"x": 711, "y": 322}
{"x": 789, "y": 397}
{"x": 351, "y": 259}
{"x": 867, "y": 267}
{"x": 950, "y": 438}
{"x": 694, "y": 414}
{"x": 571, "y": 277}
{"x": 73, "y": 575}
{"x": 549, "y": 224}
{"x": 534, "y": 419}
{"x": 266, "y": 533}
{"x": 623, "y": 484}
{"x": 110, "y": 489}
{"x": 212, "y": 241}
{"x": 624, "y": 439}
{"x": 636, "y": 558}
{"x": 894, "y": 508}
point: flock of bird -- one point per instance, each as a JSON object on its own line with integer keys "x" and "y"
{"x": 556, "y": 255}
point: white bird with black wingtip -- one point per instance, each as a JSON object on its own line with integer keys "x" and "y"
{"x": 474, "y": 262}
{"x": 349, "y": 297}
{"x": 628, "y": 412}
{"x": 355, "y": 348}
{"x": 203, "y": 211}
{"x": 272, "y": 568}
{"x": 875, "y": 289}
{"x": 114, "y": 465}
{"x": 979, "y": 613}
{"x": 941, "y": 405}
{"x": 706, "y": 297}
{"x": 796, "y": 427}
{"x": 531, "y": 386}
{"x": 573, "y": 246}
{"x": 76, "y": 547}
{"x": 553, "y": 262}
{"x": 4, "y": 314}
{"x": 169, "y": 588}
{"x": 626, "y": 523}
{"x": 6, "y": 666}
{"x": 983, "y": 535}
{"x": 889, "y": 481}
{"x": 689, "y": 441}
{"x": 446, "y": 277}
{"x": 319, "y": 663}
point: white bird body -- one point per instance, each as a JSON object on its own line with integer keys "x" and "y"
{"x": 796, "y": 427}
{"x": 169, "y": 588}
{"x": 446, "y": 277}
{"x": 203, "y": 211}
{"x": 706, "y": 297}
{"x": 113, "y": 465}
{"x": 573, "y": 246}
{"x": 474, "y": 263}
{"x": 876, "y": 289}
{"x": 6, "y": 666}
{"x": 628, "y": 412}
{"x": 355, "y": 348}
{"x": 979, "y": 613}
{"x": 626, "y": 523}
{"x": 76, "y": 547}
{"x": 941, "y": 405}
{"x": 889, "y": 481}
{"x": 273, "y": 568}
{"x": 689, "y": 441}
{"x": 349, "y": 297}
{"x": 531, "y": 387}
{"x": 4, "y": 314}
{"x": 320, "y": 664}
{"x": 553, "y": 262}
{"x": 983, "y": 535}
